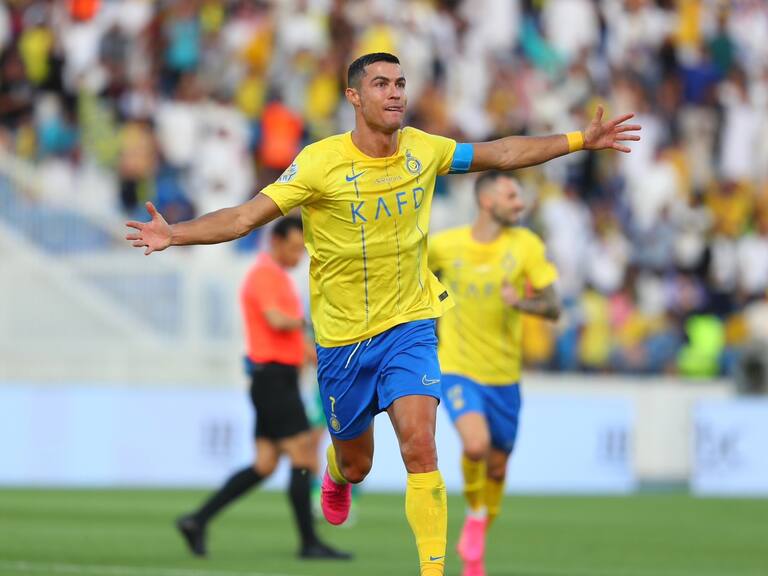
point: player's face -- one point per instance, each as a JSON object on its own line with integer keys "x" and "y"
{"x": 381, "y": 98}
{"x": 508, "y": 205}
{"x": 289, "y": 251}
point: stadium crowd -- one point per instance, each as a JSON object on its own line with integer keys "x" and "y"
{"x": 196, "y": 104}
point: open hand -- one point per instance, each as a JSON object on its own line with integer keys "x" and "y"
{"x": 601, "y": 135}
{"x": 509, "y": 294}
{"x": 155, "y": 235}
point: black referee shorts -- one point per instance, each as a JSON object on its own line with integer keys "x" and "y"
{"x": 277, "y": 401}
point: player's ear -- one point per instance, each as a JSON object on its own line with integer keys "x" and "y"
{"x": 353, "y": 96}
{"x": 485, "y": 200}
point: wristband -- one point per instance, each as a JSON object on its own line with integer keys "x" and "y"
{"x": 575, "y": 141}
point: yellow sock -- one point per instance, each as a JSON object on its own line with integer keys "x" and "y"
{"x": 426, "y": 508}
{"x": 494, "y": 492}
{"x": 333, "y": 466}
{"x": 474, "y": 482}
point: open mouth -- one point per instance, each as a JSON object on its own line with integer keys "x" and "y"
{"x": 394, "y": 109}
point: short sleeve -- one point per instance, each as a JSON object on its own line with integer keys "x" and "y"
{"x": 300, "y": 184}
{"x": 443, "y": 148}
{"x": 539, "y": 271}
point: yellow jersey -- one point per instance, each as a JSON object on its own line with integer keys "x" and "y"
{"x": 365, "y": 227}
{"x": 481, "y": 337}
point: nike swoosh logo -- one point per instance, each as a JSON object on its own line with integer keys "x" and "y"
{"x": 436, "y": 558}
{"x": 355, "y": 176}
{"x": 428, "y": 382}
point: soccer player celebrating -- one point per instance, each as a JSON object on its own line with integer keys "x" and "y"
{"x": 487, "y": 267}
{"x": 365, "y": 198}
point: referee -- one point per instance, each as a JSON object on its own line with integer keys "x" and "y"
{"x": 274, "y": 322}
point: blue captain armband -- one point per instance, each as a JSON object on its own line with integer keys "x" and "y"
{"x": 462, "y": 158}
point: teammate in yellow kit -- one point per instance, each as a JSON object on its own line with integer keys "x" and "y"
{"x": 488, "y": 268}
{"x": 365, "y": 198}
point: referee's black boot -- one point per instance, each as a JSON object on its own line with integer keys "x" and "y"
{"x": 320, "y": 551}
{"x": 194, "y": 534}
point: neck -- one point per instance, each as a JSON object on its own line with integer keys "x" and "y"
{"x": 374, "y": 143}
{"x": 275, "y": 259}
{"x": 486, "y": 229}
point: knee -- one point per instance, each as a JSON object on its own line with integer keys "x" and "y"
{"x": 264, "y": 467}
{"x": 357, "y": 469}
{"x": 477, "y": 448}
{"x": 418, "y": 451}
{"x": 497, "y": 473}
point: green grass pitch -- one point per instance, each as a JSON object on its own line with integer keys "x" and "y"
{"x": 129, "y": 533}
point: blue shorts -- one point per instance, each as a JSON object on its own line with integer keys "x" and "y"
{"x": 499, "y": 404}
{"x": 360, "y": 380}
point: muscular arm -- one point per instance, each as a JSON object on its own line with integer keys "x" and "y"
{"x": 544, "y": 302}
{"x": 212, "y": 228}
{"x": 225, "y": 224}
{"x": 516, "y": 152}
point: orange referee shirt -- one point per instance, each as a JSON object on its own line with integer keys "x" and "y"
{"x": 268, "y": 286}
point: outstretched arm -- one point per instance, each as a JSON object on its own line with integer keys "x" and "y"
{"x": 212, "y": 228}
{"x": 542, "y": 303}
{"x": 516, "y": 152}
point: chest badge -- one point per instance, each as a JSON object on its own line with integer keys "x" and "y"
{"x": 412, "y": 164}
{"x": 508, "y": 263}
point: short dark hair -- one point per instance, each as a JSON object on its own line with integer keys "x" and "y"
{"x": 486, "y": 179}
{"x": 356, "y": 70}
{"x": 284, "y": 226}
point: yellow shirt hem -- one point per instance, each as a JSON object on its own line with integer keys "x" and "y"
{"x": 482, "y": 379}
{"x": 380, "y": 328}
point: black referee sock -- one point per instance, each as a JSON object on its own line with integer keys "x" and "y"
{"x": 237, "y": 485}
{"x": 299, "y": 492}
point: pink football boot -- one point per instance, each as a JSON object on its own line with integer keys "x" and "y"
{"x": 474, "y": 568}
{"x": 335, "y": 500}
{"x": 471, "y": 546}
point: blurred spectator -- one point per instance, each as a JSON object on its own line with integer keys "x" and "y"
{"x": 5, "y": 27}
{"x": 36, "y": 44}
{"x": 608, "y": 254}
{"x": 700, "y": 357}
{"x": 740, "y": 132}
{"x": 16, "y": 92}
{"x": 571, "y": 26}
{"x": 281, "y": 138}
{"x": 752, "y": 259}
{"x": 178, "y": 123}
{"x": 182, "y": 40}
{"x": 222, "y": 173}
{"x": 136, "y": 164}
{"x": 568, "y": 229}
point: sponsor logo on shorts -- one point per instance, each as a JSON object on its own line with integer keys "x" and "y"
{"x": 334, "y": 421}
